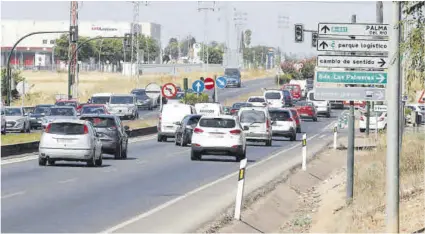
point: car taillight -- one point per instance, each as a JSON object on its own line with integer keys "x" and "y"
{"x": 268, "y": 124}
{"x": 198, "y": 130}
{"x": 381, "y": 119}
{"x": 86, "y": 129}
{"x": 235, "y": 132}
{"x": 361, "y": 118}
{"x": 47, "y": 130}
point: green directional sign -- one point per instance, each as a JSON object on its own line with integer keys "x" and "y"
{"x": 351, "y": 77}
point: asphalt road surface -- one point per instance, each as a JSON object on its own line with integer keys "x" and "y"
{"x": 70, "y": 197}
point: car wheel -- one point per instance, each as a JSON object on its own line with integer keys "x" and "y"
{"x": 124, "y": 152}
{"x": 118, "y": 151}
{"x": 269, "y": 142}
{"x": 183, "y": 141}
{"x": 241, "y": 156}
{"x": 194, "y": 156}
{"x": 293, "y": 137}
{"x": 51, "y": 162}
{"x": 315, "y": 119}
{"x": 328, "y": 115}
{"x": 176, "y": 140}
{"x": 159, "y": 138}
{"x": 3, "y": 132}
{"x": 362, "y": 130}
{"x": 98, "y": 162}
{"x": 91, "y": 162}
{"x": 42, "y": 161}
{"x": 24, "y": 129}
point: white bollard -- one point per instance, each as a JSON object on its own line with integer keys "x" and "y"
{"x": 335, "y": 134}
{"x": 304, "y": 151}
{"x": 241, "y": 184}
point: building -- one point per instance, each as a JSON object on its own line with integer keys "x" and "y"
{"x": 37, "y": 50}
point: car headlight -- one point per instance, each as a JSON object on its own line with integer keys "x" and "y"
{"x": 20, "y": 120}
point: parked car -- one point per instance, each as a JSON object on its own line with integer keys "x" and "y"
{"x": 379, "y": 123}
{"x": 142, "y": 99}
{"x": 17, "y": 119}
{"x": 322, "y": 107}
{"x": 59, "y": 112}
{"x": 295, "y": 90}
{"x": 274, "y": 98}
{"x": 283, "y": 123}
{"x": 36, "y": 117}
{"x": 233, "y": 77}
{"x": 306, "y": 110}
{"x": 3, "y": 121}
{"x": 297, "y": 119}
{"x": 258, "y": 101}
{"x": 170, "y": 114}
{"x": 218, "y": 135}
{"x": 238, "y": 105}
{"x": 185, "y": 129}
{"x": 111, "y": 132}
{"x": 259, "y": 123}
{"x": 70, "y": 140}
{"x": 124, "y": 106}
{"x": 94, "y": 109}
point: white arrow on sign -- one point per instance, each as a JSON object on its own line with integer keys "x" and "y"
{"x": 381, "y": 78}
{"x": 358, "y": 29}
{"x": 335, "y": 61}
{"x": 352, "y": 45}
{"x": 220, "y": 81}
{"x": 198, "y": 86}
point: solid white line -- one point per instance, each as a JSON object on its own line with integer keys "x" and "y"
{"x": 13, "y": 194}
{"x": 321, "y": 136}
{"x": 67, "y": 181}
{"x": 171, "y": 202}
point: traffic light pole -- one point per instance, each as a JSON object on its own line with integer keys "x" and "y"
{"x": 8, "y": 70}
{"x": 73, "y": 55}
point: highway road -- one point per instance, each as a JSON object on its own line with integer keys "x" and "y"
{"x": 74, "y": 198}
{"x": 247, "y": 87}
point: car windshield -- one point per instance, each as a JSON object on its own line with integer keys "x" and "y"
{"x": 74, "y": 104}
{"x": 217, "y": 123}
{"x": 256, "y": 99}
{"x": 13, "y": 112}
{"x": 241, "y": 104}
{"x": 193, "y": 121}
{"x": 302, "y": 103}
{"x": 121, "y": 100}
{"x": 273, "y": 95}
{"x": 61, "y": 112}
{"x": 66, "y": 129}
{"x": 252, "y": 116}
{"x": 231, "y": 72}
{"x": 93, "y": 110}
{"x": 292, "y": 87}
{"x": 100, "y": 100}
{"x": 29, "y": 109}
{"x": 140, "y": 93}
{"x": 41, "y": 109}
{"x": 311, "y": 97}
{"x": 279, "y": 115}
{"x": 101, "y": 122}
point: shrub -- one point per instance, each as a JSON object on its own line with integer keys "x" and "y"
{"x": 283, "y": 78}
{"x": 193, "y": 98}
{"x": 16, "y": 78}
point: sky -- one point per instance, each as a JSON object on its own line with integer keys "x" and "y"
{"x": 181, "y": 18}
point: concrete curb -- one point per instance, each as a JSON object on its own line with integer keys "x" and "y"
{"x": 32, "y": 147}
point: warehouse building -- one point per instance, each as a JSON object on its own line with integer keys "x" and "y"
{"x": 37, "y": 50}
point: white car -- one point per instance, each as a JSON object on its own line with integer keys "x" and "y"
{"x": 283, "y": 123}
{"x": 218, "y": 135}
{"x": 274, "y": 98}
{"x": 123, "y": 106}
{"x": 100, "y": 98}
{"x": 3, "y": 122}
{"x": 379, "y": 123}
{"x": 259, "y": 101}
{"x": 322, "y": 107}
{"x": 209, "y": 109}
{"x": 170, "y": 117}
{"x": 70, "y": 140}
{"x": 257, "y": 119}
{"x": 17, "y": 119}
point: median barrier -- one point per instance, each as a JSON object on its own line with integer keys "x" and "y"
{"x": 32, "y": 147}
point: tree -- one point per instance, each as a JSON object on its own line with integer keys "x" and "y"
{"x": 215, "y": 55}
{"x": 186, "y": 45}
{"x": 62, "y": 48}
{"x": 165, "y": 58}
{"x": 16, "y": 78}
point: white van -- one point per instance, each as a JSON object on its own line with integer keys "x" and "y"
{"x": 100, "y": 98}
{"x": 258, "y": 121}
{"x": 274, "y": 98}
{"x": 209, "y": 109}
{"x": 322, "y": 107}
{"x": 171, "y": 114}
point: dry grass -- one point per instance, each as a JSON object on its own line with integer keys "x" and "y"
{"x": 141, "y": 123}
{"x": 19, "y": 138}
{"x": 48, "y": 84}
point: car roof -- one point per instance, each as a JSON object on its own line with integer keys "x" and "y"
{"x": 256, "y": 97}
{"x": 46, "y": 105}
{"x": 55, "y": 106}
{"x": 98, "y": 115}
{"x": 69, "y": 121}
{"x": 101, "y": 94}
{"x": 125, "y": 94}
{"x": 10, "y": 107}
{"x": 259, "y": 108}
{"x": 278, "y": 109}
{"x": 219, "y": 117}
{"x": 91, "y": 104}
{"x": 66, "y": 100}
{"x": 273, "y": 91}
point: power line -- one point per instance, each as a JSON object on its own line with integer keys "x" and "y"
{"x": 205, "y": 47}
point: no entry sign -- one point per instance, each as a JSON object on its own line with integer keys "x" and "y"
{"x": 209, "y": 83}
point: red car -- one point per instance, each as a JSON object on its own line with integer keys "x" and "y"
{"x": 297, "y": 119}
{"x": 306, "y": 110}
{"x": 94, "y": 109}
{"x": 295, "y": 90}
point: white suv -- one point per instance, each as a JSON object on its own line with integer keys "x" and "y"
{"x": 257, "y": 119}
{"x": 220, "y": 135}
{"x": 124, "y": 105}
{"x": 283, "y": 123}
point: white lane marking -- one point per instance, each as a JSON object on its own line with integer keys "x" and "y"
{"x": 177, "y": 153}
{"x": 67, "y": 181}
{"x": 177, "y": 199}
{"x": 321, "y": 136}
{"x": 140, "y": 162}
{"x": 12, "y": 195}
{"x": 109, "y": 170}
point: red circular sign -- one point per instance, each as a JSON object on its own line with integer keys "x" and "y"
{"x": 169, "y": 90}
{"x": 209, "y": 83}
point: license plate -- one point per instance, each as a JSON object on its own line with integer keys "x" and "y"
{"x": 217, "y": 136}
{"x": 62, "y": 141}
{"x": 170, "y": 127}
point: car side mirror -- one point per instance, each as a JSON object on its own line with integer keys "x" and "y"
{"x": 245, "y": 128}
{"x": 126, "y": 128}
{"x": 177, "y": 123}
{"x": 189, "y": 127}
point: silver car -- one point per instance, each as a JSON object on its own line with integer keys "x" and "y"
{"x": 124, "y": 106}
{"x": 16, "y": 119}
{"x": 70, "y": 140}
{"x": 57, "y": 113}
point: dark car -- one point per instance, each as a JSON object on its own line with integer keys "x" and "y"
{"x": 238, "y": 105}
{"x": 337, "y": 104}
{"x": 112, "y": 133}
{"x": 142, "y": 99}
{"x": 233, "y": 77}
{"x": 185, "y": 129}
{"x": 36, "y": 116}
{"x": 288, "y": 98}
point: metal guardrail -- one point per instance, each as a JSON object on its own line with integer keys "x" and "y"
{"x": 32, "y": 147}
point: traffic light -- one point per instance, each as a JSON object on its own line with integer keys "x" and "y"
{"x": 314, "y": 37}
{"x": 73, "y": 34}
{"x": 127, "y": 40}
{"x": 299, "y": 33}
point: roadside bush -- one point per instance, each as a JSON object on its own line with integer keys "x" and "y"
{"x": 283, "y": 78}
{"x": 193, "y": 98}
{"x": 16, "y": 78}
